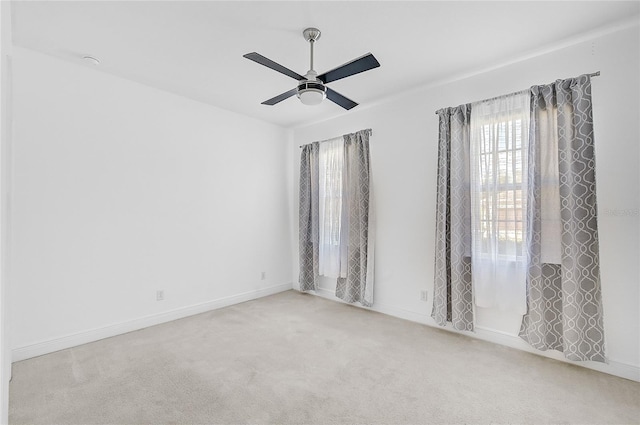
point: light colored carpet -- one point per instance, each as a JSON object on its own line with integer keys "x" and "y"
{"x": 298, "y": 359}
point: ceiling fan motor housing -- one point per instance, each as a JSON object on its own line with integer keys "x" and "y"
{"x": 311, "y": 92}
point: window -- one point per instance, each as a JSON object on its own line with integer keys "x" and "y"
{"x": 500, "y": 193}
{"x": 499, "y": 132}
{"x": 336, "y": 234}
{"x": 332, "y": 250}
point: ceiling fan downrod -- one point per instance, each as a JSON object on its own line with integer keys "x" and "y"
{"x": 311, "y": 35}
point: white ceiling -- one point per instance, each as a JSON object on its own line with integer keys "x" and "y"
{"x": 195, "y": 49}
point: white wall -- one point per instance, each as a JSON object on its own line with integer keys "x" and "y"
{"x": 122, "y": 190}
{"x": 5, "y": 148}
{"x": 404, "y": 157}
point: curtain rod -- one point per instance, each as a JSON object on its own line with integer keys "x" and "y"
{"x": 326, "y": 140}
{"x": 593, "y": 74}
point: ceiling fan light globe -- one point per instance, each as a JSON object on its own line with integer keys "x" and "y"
{"x": 311, "y": 96}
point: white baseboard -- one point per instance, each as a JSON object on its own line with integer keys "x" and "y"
{"x": 620, "y": 369}
{"x": 73, "y": 340}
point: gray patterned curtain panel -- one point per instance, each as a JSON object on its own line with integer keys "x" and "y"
{"x": 452, "y": 300}
{"x": 563, "y": 281}
{"x": 308, "y": 217}
{"x": 358, "y": 284}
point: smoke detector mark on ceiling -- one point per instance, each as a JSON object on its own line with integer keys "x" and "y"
{"x": 91, "y": 59}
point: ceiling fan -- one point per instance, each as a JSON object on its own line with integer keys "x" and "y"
{"x": 311, "y": 89}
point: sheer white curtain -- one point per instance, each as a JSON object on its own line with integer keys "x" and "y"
{"x": 332, "y": 246}
{"x": 550, "y": 224}
{"x": 498, "y": 148}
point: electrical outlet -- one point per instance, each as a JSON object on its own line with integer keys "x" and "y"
{"x": 263, "y": 275}
{"x": 424, "y": 295}
{"x": 159, "y": 295}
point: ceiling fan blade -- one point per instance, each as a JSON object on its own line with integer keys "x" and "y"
{"x": 340, "y": 100}
{"x": 280, "y": 97}
{"x": 356, "y": 66}
{"x": 256, "y": 57}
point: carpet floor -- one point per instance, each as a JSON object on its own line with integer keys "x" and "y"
{"x": 292, "y": 358}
